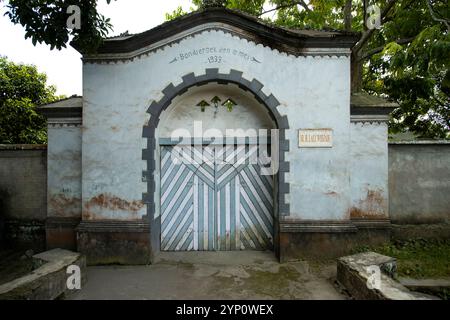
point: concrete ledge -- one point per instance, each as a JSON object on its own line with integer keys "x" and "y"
{"x": 354, "y": 274}
{"x": 114, "y": 226}
{"x": 308, "y": 226}
{"x": 23, "y": 147}
{"x": 433, "y": 286}
{"x": 373, "y": 224}
{"x": 48, "y": 281}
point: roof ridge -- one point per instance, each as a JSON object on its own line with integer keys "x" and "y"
{"x": 231, "y": 11}
{"x": 74, "y": 96}
{"x": 292, "y": 41}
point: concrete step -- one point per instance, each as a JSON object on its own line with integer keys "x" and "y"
{"x": 48, "y": 280}
{"x": 369, "y": 276}
{"x": 433, "y": 286}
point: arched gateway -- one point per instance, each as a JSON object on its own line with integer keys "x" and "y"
{"x": 217, "y": 78}
{"x": 227, "y": 202}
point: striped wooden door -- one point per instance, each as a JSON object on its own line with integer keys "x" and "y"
{"x": 216, "y": 202}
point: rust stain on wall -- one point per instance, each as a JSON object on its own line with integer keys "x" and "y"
{"x": 63, "y": 205}
{"x": 373, "y": 206}
{"x": 110, "y": 202}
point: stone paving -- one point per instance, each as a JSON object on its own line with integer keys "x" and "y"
{"x": 213, "y": 276}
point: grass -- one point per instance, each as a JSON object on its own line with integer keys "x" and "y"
{"x": 418, "y": 258}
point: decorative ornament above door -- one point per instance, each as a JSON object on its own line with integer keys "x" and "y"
{"x": 203, "y": 104}
{"x": 229, "y": 104}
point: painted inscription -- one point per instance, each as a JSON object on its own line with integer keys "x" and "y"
{"x": 214, "y": 55}
{"x": 315, "y": 138}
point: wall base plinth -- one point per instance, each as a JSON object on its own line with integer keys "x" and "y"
{"x": 115, "y": 242}
{"x": 329, "y": 239}
{"x": 60, "y": 233}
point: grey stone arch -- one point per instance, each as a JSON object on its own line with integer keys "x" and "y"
{"x": 171, "y": 92}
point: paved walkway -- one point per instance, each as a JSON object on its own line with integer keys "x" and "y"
{"x": 210, "y": 275}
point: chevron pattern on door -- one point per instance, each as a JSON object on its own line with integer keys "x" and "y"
{"x": 218, "y": 201}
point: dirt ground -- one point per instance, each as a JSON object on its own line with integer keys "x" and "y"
{"x": 211, "y": 276}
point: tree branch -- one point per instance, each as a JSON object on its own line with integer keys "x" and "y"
{"x": 305, "y": 6}
{"x": 435, "y": 18}
{"x": 368, "y": 33}
{"x": 440, "y": 102}
{"x": 284, "y": 6}
{"x": 381, "y": 48}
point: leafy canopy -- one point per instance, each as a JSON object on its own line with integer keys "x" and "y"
{"x": 22, "y": 88}
{"x": 406, "y": 60}
{"x": 45, "y": 21}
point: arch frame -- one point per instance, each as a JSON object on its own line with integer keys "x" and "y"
{"x": 190, "y": 80}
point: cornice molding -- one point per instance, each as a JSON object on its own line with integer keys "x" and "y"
{"x": 113, "y": 226}
{"x": 106, "y": 58}
{"x": 332, "y": 226}
{"x": 369, "y": 118}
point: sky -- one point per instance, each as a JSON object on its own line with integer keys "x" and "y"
{"x": 64, "y": 68}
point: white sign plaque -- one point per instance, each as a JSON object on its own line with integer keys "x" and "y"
{"x": 315, "y": 138}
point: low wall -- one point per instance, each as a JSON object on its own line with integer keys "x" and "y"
{"x": 419, "y": 182}
{"x": 419, "y": 189}
{"x": 23, "y": 195}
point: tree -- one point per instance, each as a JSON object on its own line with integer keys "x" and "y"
{"x": 46, "y": 22}
{"x": 22, "y": 88}
{"x": 406, "y": 59}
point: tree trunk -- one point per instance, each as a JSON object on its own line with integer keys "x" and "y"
{"x": 357, "y": 64}
{"x": 356, "y": 73}
{"x": 348, "y": 15}
{"x": 357, "y": 52}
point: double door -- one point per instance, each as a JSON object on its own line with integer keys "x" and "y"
{"x": 214, "y": 198}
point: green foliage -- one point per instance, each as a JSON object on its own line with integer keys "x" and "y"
{"x": 253, "y": 7}
{"x": 20, "y": 123}
{"x": 212, "y": 3}
{"x": 415, "y": 74}
{"x": 178, "y": 12}
{"x": 46, "y": 22}
{"x": 22, "y": 88}
{"x": 417, "y": 258}
{"x": 407, "y": 60}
